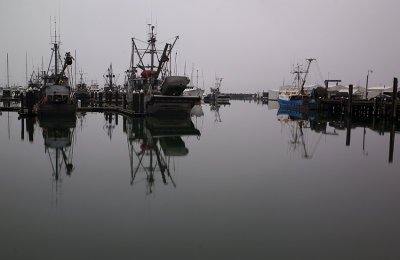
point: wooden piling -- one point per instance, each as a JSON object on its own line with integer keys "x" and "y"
{"x": 350, "y": 101}
{"x": 100, "y": 95}
{"x": 136, "y": 102}
{"x": 391, "y": 142}
{"x": 394, "y": 99}
{"x": 124, "y": 124}
{"x": 348, "y": 130}
{"x": 21, "y": 96}
{"x": 22, "y": 128}
{"x": 141, "y": 97}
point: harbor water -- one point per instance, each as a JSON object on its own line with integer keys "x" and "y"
{"x": 241, "y": 181}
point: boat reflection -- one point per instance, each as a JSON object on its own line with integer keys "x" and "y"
{"x": 153, "y": 143}
{"x": 300, "y": 123}
{"x": 58, "y": 135}
{"x": 215, "y": 107}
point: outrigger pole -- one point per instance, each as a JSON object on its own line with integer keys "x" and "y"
{"x": 305, "y": 76}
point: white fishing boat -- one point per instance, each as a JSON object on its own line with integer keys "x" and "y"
{"x": 194, "y": 90}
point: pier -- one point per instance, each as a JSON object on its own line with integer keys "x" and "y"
{"x": 362, "y": 107}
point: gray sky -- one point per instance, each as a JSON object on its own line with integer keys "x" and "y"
{"x": 252, "y": 44}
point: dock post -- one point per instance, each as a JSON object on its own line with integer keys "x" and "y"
{"x": 29, "y": 101}
{"x": 101, "y": 99}
{"x": 348, "y": 130}
{"x": 29, "y": 127}
{"x": 141, "y": 97}
{"x": 350, "y": 101}
{"x": 125, "y": 102}
{"x": 22, "y": 128}
{"x": 124, "y": 124}
{"x": 394, "y": 98}
{"x": 391, "y": 142}
{"x": 21, "y": 96}
{"x": 136, "y": 102}
{"x": 116, "y": 98}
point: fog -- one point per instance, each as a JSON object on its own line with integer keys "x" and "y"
{"x": 251, "y": 44}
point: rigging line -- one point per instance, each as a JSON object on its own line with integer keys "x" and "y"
{"x": 320, "y": 74}
{"x": 140, "y": 40}
{"x": 166, "y": 41}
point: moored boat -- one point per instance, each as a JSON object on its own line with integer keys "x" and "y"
{"x": 56, "y": 92}
{"x": 295, "y": 96}
{"x": 216, "y": 95}
{"x": 162, "y": 91}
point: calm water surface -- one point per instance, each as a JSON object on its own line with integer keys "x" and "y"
{"x": 244, "y": 182}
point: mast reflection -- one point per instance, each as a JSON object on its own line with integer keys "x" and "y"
{"x": 299, "y": 121}
{"x": 215, "y": 107}
{"x": 153, "y": 143}
{"x": 58, "y": 135}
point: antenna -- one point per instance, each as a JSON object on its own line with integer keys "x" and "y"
{"x": 75, "y": 69}
{"x": 26, "y": 66}
{"x": 8, "y": 74}
{"x": 197, "y": 82}
{"x": 202, "y": 75}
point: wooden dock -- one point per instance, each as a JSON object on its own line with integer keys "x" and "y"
{"x": 362, "y": 108}
{"x": 359, "y": 108}
{"x": 103, "y": 109}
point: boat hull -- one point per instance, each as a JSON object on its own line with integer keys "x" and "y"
{"x": 297, "y": 104}
{"x": 197, "y": 92}
{"x": 160, "y": 105}
{"x": 57, "y": 109}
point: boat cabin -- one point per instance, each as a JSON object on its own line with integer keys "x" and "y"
{"x": 57, "y": 94}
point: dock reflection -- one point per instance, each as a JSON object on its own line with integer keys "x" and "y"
{"x": 153, "y": 143}
{"x": 322, "y": 123}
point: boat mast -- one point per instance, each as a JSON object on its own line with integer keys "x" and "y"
{"x": 191, "y": 75}
{"x": 75, "y": 69}
{"x": 110, "y": 77}
{"x": 55, "y": 49}
{"x": 153, "y": 46}
{"x": 197, "y": 81}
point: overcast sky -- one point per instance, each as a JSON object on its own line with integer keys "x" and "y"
{"x": 252, "y": 44}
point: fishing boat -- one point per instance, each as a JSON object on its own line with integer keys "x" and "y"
{"x": 56, "y": 92}
{"x": 150, "y": 74}
{"x": 192, "y": 90}
{"x": 294, "y": 96}
{"x": 81, "y": 90}
{"x": 216, "y": 95}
